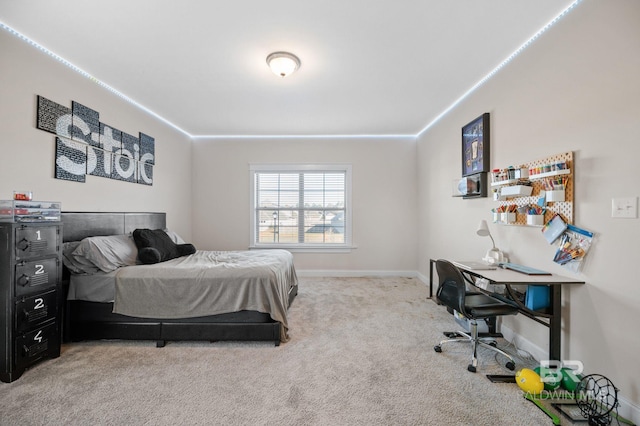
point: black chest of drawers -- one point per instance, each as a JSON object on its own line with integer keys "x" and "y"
{"x": 30, "y": 295}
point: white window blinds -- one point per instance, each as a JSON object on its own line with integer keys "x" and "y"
{"x": 303, "y": 206}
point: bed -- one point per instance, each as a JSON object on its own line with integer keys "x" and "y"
{"x": 93, "y": 300}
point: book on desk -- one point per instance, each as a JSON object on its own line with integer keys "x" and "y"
{"x": 523, "y": 269}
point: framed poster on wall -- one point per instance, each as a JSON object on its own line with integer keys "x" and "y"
{"x": 475, "y": 146}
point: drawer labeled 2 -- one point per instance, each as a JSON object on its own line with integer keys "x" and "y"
{"x": 36, "y": 344}
{"x": 36, "y": 275}
{"x": 36, "y": 241}
{"x": 34, "y": 310}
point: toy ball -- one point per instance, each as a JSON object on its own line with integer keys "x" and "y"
{"x": 529, "y": 381}
{"x": 550, "y": 379}
{"x": 570, "y": 379}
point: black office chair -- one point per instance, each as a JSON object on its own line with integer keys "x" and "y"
{"x": 452, "y": 292}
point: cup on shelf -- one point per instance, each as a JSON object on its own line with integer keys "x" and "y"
{"x": 508, "y": 217}
{"x": 556, "y": 195}
{"x": 535, "y": 219}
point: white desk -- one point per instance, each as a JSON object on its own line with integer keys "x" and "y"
{"x": 508, "y": 278}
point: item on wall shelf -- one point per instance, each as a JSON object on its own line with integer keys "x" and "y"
{"x": 554, "y": 228}
{"x": 535, "y": 219}
{"x": 516, "y": 191}
{"x": 507, "y": 213}
{"x": 471, "y": 186}
{"x": 554, "y": 196}
{"x": 85, "y": 146}
{"x": 573, "y": 247}
{"x": 508, "y": 217}
{"x": 509, "y": 175}
{"x": 539, "y": 170}
{"x": 475, "y": 146}
{"x": 535, "y": 215}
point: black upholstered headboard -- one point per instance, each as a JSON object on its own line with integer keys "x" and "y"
{"x": 79, "y": 225}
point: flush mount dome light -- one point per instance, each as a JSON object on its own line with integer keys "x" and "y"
{"x": 283, "y": 64}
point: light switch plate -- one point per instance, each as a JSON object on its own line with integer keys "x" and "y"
{"x": 626, "y": 207}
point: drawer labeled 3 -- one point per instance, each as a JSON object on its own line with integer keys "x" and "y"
{"x": 36, "y": 275}
{"x": 34, "y": 310}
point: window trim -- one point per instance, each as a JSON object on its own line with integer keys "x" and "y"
{"x": 302, "y": 247}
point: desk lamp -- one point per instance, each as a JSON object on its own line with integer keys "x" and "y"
{"x": 494, "y": 255}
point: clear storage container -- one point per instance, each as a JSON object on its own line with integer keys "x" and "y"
{"x": 29, "y": 211}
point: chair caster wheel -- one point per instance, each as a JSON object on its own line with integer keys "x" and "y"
{"x": 510, "y": 365}
{"x": 437, "y": 348}
{"x": 493, "y": 343}
{"x": 471, "y": 368}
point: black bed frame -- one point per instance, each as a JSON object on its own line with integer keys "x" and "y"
{"x": 95, "y": 321}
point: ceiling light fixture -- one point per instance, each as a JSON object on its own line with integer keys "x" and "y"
{"x": 283, "y": 64}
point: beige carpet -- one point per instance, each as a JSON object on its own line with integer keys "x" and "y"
{"x": 361, "y": 353}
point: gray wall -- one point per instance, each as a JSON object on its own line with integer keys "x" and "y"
{"x": 28, "y": 154}
{"x": 384, "y": 197}
{"x": 575, "y": 89}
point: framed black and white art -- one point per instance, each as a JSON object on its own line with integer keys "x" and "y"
{"x": 475, "y": 146}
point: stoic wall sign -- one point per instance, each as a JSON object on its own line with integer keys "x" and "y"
{"x": 85, "y": 146}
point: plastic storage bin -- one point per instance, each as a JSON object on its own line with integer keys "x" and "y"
{"x": 557, "y": 195}
{"x": 29, "y": 211}
{"x": 516, "y": 191}
{"x": 535, "y": 219}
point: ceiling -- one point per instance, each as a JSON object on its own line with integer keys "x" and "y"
{"x": 369, "y": 67}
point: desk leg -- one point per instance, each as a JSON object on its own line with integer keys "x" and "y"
{"x": 555, "y": 323}
{"x": 431, "y": 263}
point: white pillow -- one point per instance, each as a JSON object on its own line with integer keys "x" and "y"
{"x": 76, "y": 265}
{"x": 108, "y": 253}
{"x": 174, "y": 237}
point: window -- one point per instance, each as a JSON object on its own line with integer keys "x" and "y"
{"x": 301, "y": 206}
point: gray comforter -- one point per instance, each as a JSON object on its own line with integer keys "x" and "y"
{"x": 209, "y": 283}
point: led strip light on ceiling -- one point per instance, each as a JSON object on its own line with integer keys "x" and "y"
{"x": 89, "y": 76}
{"x": 169, "y": 123}
{"x": 500, "y": 66}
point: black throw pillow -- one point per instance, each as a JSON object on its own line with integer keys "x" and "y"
{"x": 154, "y": 245}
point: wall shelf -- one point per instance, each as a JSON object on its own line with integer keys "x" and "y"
{"x": 504, "y": 182}
{"x": 550, "y": 174}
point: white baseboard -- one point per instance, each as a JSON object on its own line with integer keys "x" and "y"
{"x": 522, "y": 343}
{"x": 353, "y": 274}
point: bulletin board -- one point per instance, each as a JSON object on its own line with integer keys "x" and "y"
{"x": 538, "y": 179}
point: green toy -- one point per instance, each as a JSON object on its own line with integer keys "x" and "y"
{"x": 570, "y": 379}
{"x": 551, "y": 378}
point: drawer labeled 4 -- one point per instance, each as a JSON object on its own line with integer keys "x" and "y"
{"x": 42, "y": 342}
